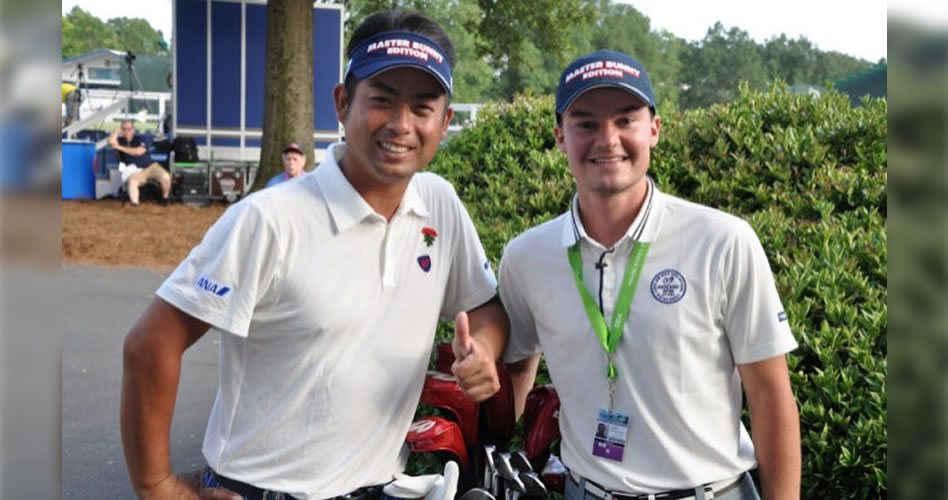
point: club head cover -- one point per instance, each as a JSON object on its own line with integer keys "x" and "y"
{"x": 540, "y": 420}
{"x": 499, "y": 409}
{"x": 554, "y": 474}
{"x": 444, "y": 357}
{"x": 442, "y": 391}
{"x": 435, "y": 434}
{"x": 405, "y": 486}
{"x": 448, "y": 488}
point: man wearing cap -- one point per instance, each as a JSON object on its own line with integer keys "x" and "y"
{"x": 294, "y": 161}
{"x": 327, "y": 292}
{"x": 652, "y": 313}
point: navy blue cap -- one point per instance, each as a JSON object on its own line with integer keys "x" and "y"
{"x": 603, "y": 68}
{"x": 393, "y": 49}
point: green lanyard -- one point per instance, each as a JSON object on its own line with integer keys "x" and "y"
{"x": 609, "y": 335}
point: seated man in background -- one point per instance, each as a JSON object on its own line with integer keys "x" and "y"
{"x": 132, "y": 152}
{"x": 294, "y": 160}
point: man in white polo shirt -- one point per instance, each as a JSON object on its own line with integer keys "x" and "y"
{"x": 327, "y": 293}
{"x": 652, "y": 312}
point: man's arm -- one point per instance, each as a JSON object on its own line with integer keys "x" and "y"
{"x": 775, "y": 426}
{"x": 523, "y": 374}
{"x": 152, "y": 367}
{"x": 479, "y": 339}
{"x": 114, "y": 144}
{"x": 136, "y": 151}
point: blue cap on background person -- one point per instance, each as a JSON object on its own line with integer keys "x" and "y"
{"x": 394, "y": 49}
{"x": 603, "y": 68}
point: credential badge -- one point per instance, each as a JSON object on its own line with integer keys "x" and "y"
{"x": 668, "y": 286}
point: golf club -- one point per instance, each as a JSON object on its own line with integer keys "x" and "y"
{"x": 533, "y": 484}
{"x": 519, "y": 461}
{"x": 477, "y": 494}
{"x": 508, "y": 477}
{"x": 490, "y": 470}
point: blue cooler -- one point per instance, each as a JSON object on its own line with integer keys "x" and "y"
{"x": 78, "y": 170}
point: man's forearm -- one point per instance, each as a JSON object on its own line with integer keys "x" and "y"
{"x": 138, "y": 151}
{"x": 152, "y": 367}
{"x": 523, "y": 374}
{"x": 776, "y": 434}
{"x": 149, "y": 387}
{"x": 775, "y": 426}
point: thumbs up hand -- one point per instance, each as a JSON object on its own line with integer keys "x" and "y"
{"x": 463, "y": 343}
{"x": 473, "y": 365}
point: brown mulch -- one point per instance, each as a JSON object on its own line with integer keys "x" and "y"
{"x": 103, "y": 232}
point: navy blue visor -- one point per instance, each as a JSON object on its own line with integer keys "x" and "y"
{"x": 394, "y": 49}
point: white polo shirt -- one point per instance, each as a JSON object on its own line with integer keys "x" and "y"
{"x": 705, "y": 301}
{"x": 330, "y": 314}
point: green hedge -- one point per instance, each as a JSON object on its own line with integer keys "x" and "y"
{"x": 808, "y": 173}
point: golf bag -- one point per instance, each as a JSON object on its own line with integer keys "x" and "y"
{"x": 476, "y": 435}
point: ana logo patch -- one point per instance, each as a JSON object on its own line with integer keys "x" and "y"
{"x": 425, "y": 262}
{"x": 668, "y": 286}
{"x": 207, "y": 285}
{"x": 781, "y": 316}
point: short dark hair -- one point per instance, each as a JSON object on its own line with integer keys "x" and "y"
{"x": 559, "y": 116}
{"x": 398, "y": 20}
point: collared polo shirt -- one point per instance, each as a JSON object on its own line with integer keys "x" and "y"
{"x": 705, "y": 302}
{"x": 142, "y": 160}
{"x": 329, "y": 313}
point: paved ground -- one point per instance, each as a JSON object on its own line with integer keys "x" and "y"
{"x": 100, "y": 305}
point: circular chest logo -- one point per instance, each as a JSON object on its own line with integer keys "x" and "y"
{"x": 668, "y": 286}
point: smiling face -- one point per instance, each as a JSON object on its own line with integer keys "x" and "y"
{"x": 607, "y": 134}
{"x": 293, "y": 163}
{"x": 394, "y": 123}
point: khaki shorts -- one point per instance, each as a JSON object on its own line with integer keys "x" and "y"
{"x": 153, "y": 172}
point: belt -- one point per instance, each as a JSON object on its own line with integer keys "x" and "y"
{"x": 251, "y": 492}
{"x": 597, "y": 490}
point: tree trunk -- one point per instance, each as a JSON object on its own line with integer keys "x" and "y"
{"x": 288, "y": 85}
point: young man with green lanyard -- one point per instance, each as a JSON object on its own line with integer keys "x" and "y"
{"x": 651, "y": 399}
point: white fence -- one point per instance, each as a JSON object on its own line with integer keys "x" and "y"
{"x": 465, "y": 115}
{"x": 147, "y": 106}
